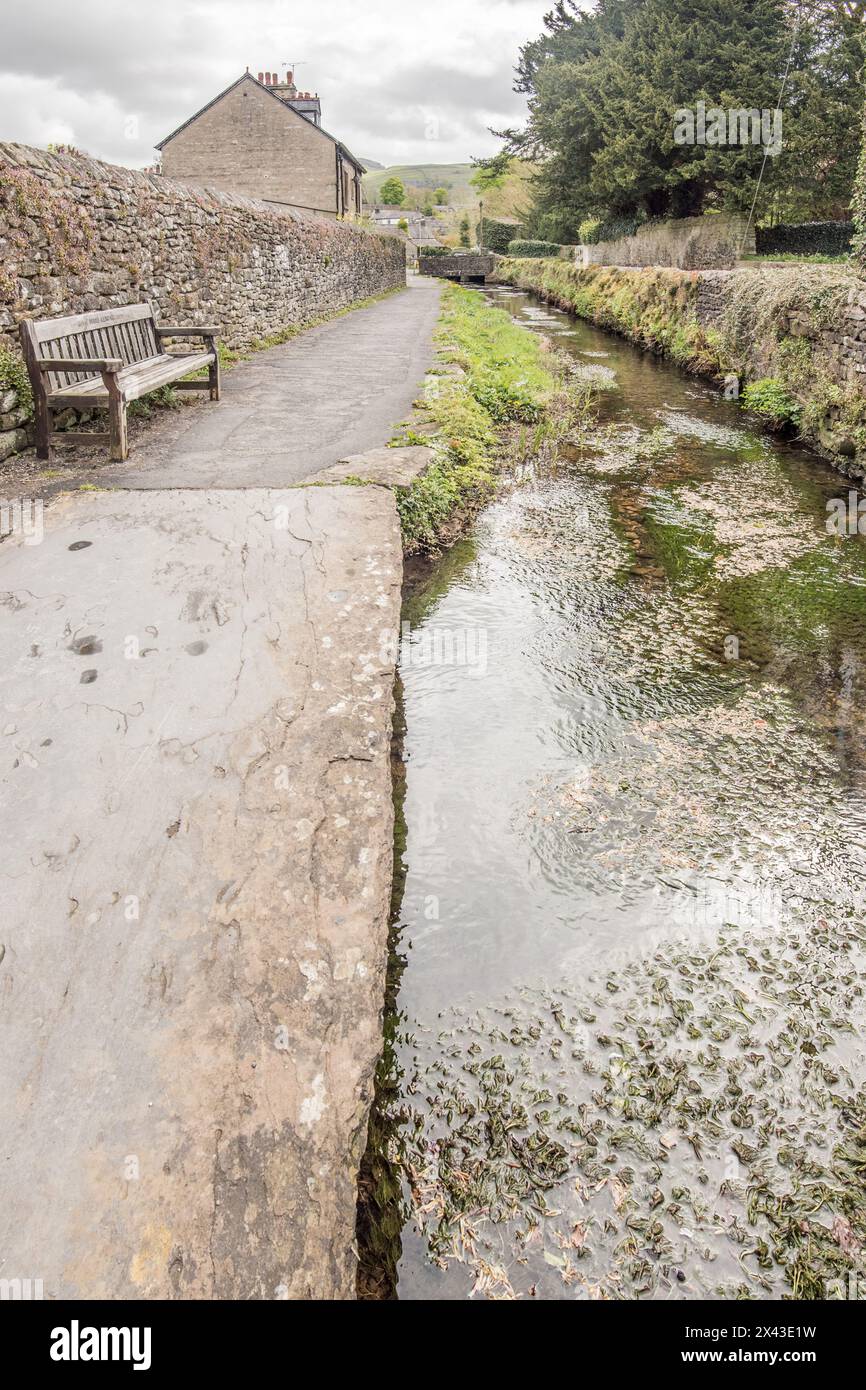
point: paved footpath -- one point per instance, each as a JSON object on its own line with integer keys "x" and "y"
{"x": 288, "y": 412}
{"x": 196, "y": 696}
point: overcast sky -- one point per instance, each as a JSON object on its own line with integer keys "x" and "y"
{"x": 401, "y": 81}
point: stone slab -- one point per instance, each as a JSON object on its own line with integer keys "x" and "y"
{"x": 197, "y": 819}
{"x": 398, "y": 467}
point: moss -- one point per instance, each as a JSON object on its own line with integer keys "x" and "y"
{"x": 801, "y": 608}
{"x": 13, "y": 377}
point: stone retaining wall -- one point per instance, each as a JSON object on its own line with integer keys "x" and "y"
{"x": 687, "y": 243}
{"x": 76, "y": 235}
{"x": 838, "y": 339}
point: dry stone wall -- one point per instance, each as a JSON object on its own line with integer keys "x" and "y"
{"x": 76, "y": 235}
{"x": 838, "y": 337}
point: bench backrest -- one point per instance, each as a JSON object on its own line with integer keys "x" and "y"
{"x": 128, "y": 333}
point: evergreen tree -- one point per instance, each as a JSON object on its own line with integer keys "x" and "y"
{"x": 604, "y": 87}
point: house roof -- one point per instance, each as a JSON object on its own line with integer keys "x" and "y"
{"x": 248, "y": 77}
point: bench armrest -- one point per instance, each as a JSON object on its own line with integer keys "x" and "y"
{"x": 209, "y": 332}
{"x": 79, "y": 364}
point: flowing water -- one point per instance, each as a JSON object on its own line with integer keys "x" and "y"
{"x": 627, "y": 1053}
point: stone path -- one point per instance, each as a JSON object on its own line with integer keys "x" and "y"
{"x": 195, "y": 709}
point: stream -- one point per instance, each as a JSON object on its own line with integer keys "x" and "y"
{"x": 626, "y": 1055}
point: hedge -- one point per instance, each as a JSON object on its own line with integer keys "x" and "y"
{"x": 497, "y": 236}
{"x": 533, "y": 248}
{"x": 805, "y": 239}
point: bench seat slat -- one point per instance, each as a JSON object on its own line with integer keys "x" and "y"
{"x": 134, "y": 381}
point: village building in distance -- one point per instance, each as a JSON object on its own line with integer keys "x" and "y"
{"x": 420, "y": 230}
{"x": 265, "y": 139}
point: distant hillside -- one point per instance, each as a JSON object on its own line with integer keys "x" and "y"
{"x": 371, "y": 163}
{"x": 454, "y": 177}
{"x": 509, "y": 198}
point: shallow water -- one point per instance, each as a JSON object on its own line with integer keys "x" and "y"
{"x": 633, "y": 704}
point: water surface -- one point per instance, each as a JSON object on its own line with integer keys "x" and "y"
{"x": 634, "y": 763}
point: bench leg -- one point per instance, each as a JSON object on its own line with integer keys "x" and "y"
{"x": 214, "y": 379}
{"x": 119, "y": 447}
{"x": 43, "y": 427}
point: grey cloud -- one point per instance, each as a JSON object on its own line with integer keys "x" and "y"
{"x": 90, "y": 66}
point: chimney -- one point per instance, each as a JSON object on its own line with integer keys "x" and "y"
{"x": 290, "y": 78}
{"x": 261, "y": 77}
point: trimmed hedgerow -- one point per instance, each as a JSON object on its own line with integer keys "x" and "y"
{"x": 805, "y": 239}
{"x": 497, "y": 236}
{"x": 535, "y": 249}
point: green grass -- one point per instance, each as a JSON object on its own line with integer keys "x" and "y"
{"x": 789, "y": 257}
{"x": 13, "y": 377}
{"x": 509, "y": 401}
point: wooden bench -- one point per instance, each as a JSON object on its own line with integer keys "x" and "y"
{"x": 104, "y": 360}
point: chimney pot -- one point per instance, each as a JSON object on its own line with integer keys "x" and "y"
{"x": 261, "y": 77}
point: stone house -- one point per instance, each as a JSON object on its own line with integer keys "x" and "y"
{"x": 263, "y": 138}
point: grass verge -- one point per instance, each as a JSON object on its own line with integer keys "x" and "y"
{"x": 498, "y": 397}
